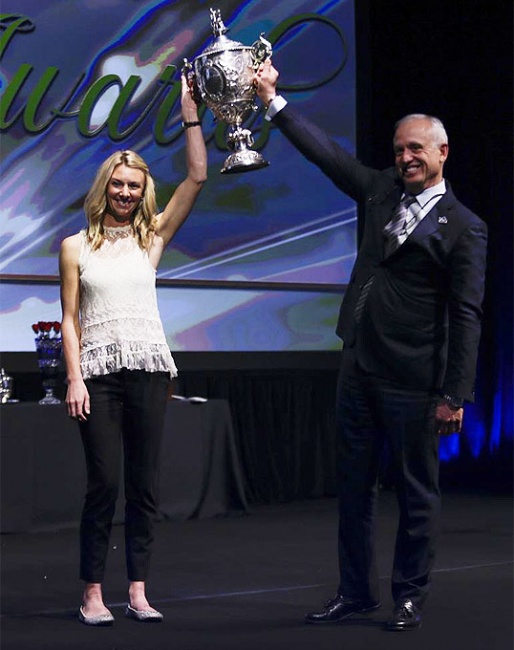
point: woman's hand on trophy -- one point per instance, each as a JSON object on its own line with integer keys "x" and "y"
{"x": 265, "y": 82}
{"x": 188, "y": 75}
{"x": 189, "y": 100}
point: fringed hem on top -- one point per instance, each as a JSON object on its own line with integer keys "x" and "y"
{"x": 131, "y": 355}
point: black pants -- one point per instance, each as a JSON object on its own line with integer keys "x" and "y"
{"x": 370, "y": 414}
{"x": 127, "y": 410}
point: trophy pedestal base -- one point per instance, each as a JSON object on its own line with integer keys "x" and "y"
{"x": 245, "y": 160}
{"x": 49, "y": 398}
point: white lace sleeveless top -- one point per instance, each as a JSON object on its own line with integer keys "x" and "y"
{"x": 119, "y": 318}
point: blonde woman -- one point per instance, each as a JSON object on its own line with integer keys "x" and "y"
{"x": 118, "y": 364}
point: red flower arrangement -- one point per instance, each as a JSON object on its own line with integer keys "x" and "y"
{"x": 47, "y": 329}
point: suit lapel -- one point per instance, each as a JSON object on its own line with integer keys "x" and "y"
{"x": 389, "y": 205}
{"x": 438, "y": 218}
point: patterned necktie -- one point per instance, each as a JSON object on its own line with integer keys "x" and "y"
{"x": 361, "y": 300}
{"x": 404, "y": 219}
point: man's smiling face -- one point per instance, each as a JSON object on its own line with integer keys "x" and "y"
{"x": 419, "y": 159}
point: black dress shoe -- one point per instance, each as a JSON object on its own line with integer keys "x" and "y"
{"x": 405, "y": 616}
{"x": 340, "y": 608}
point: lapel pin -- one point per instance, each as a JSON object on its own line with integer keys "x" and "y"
{"x": 442, "y": 219}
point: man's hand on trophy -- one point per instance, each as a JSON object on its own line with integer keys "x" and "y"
{"x": 265, "y": 82}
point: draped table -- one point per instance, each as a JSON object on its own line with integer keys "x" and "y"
{"x": 43, "y": 474}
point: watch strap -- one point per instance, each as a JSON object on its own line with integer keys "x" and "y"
{"x": 453, "y": 401}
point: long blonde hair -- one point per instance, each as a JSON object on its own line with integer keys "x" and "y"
{"x": 95, "y": 204}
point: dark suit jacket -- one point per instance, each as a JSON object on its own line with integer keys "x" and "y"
{"x": 420, "y": 328}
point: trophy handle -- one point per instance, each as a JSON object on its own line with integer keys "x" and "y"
{"x": 261, "y": 50}
{"x": 190, "y": 75}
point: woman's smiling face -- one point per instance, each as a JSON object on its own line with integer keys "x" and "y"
{"x": 124, "y": 192}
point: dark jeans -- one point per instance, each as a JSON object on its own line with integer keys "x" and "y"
{"x": 127, "y": 410}
{"x": 369, "y": 414}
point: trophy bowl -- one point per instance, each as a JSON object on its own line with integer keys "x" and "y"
{"x": 222, "y": 76}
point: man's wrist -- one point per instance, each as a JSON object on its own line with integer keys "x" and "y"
{"x": 274, "y": 106}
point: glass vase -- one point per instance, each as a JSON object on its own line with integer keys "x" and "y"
{"x": 49, "y": 352}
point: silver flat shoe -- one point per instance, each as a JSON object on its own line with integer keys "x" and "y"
{"x": 144, "y": 615}
{"x": 101, "y": 620}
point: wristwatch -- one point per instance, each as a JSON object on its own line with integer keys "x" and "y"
{"x": 453, "y": 402}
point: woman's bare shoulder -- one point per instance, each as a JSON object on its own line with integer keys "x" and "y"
{"x": 70, "y": 248}
{"x": 72, "y": 242}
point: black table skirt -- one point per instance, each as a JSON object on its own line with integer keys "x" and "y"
{"x": 43, "y": 469}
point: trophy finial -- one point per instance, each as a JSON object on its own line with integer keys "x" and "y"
{"x": 217, "y": 24}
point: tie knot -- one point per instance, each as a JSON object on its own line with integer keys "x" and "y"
{"x": 409, "y": 199}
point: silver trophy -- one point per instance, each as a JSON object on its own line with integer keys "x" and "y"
{"x": 223, "y": 78}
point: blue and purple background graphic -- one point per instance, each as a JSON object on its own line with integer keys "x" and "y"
{"x": 262, "y": 261}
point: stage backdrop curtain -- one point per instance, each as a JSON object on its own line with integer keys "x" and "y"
{"x": 284, "y": 422}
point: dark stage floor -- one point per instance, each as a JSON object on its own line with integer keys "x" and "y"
{"x": 245, "y": 583}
